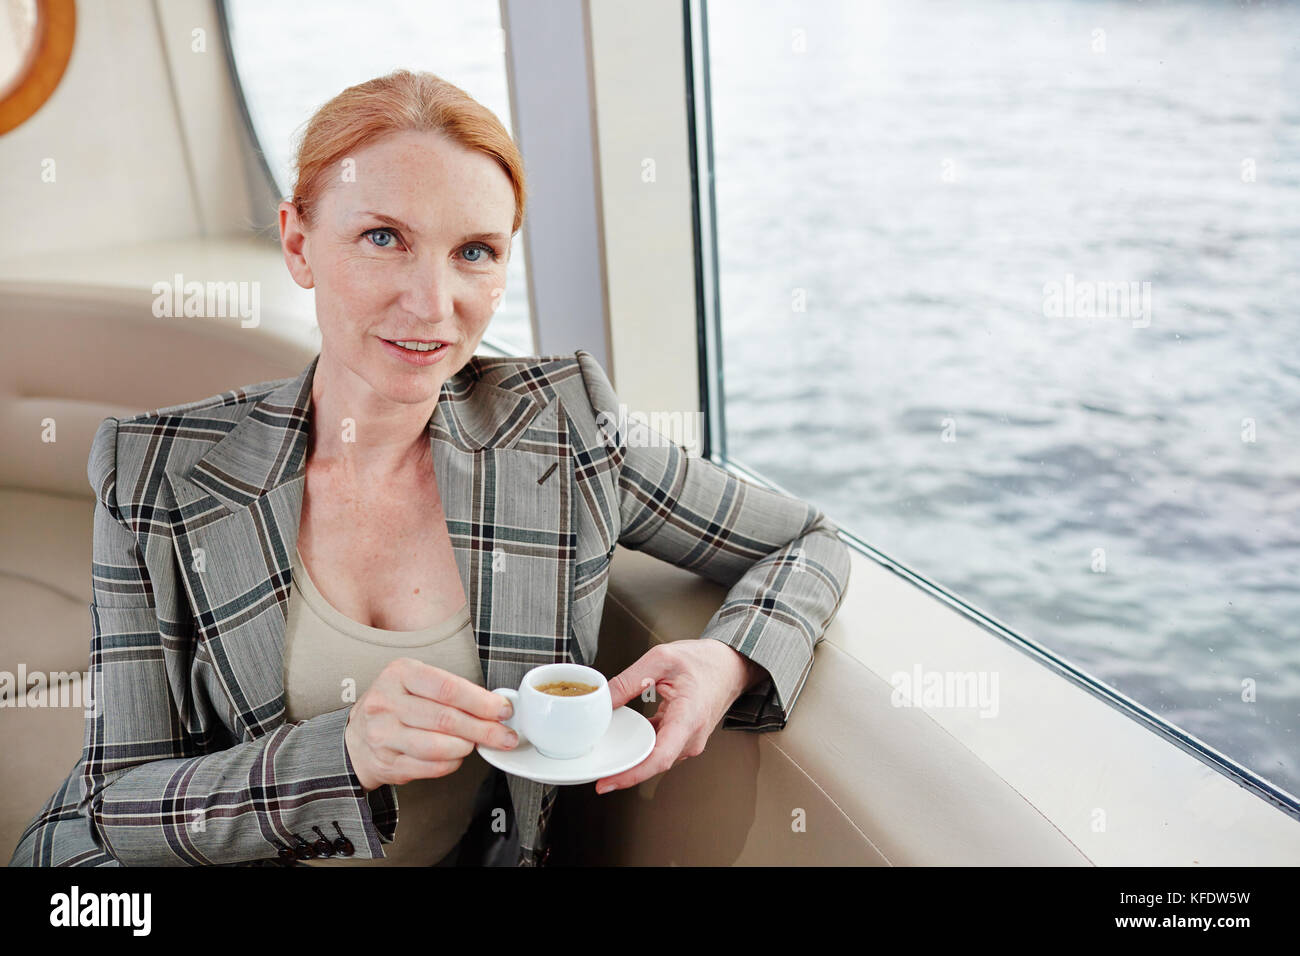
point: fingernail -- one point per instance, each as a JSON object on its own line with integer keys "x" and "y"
{"x": 506, "y": 711}
{"x": 604, "y": 788}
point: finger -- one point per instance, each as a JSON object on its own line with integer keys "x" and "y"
{"x": 428, "y": 745}
{"x": 694, "y": 747}
{"x": 421, "y": 713}
{"x": 674, "y": 731}
{"x": 434, "y": 683}
{"x": 647, "y": 670}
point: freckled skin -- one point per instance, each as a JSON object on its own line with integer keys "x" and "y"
{"x": 372, "y": 531}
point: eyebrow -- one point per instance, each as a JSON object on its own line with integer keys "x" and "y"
{"x": 398, "y": 224}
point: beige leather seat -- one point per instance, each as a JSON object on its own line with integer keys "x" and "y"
{"x": 868, "y": 783}
{"x": 851, "y": 780}
{"x": 72, "y": 357}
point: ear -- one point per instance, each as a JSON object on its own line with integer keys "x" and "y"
{"x": 293, "y": 243}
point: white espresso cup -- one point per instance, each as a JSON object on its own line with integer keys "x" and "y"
{"x": 561, "y": 728}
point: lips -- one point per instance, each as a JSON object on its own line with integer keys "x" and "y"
{"x": 418, "y": 345}
{"x": 417, "y": 351}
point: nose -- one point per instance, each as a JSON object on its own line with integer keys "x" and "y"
{"x": 427, "y": 289}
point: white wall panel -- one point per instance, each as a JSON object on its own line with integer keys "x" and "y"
{"x": 110, "y": 129}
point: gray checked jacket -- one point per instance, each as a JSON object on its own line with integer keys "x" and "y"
{"x": 187, "y": 756}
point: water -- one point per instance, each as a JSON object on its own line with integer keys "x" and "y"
{"x": 921, "y": 171}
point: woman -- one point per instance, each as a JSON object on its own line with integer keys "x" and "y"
{"x": 304, "y": 588}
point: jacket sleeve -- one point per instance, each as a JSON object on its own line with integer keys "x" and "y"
{"x": 783, "y": 561}
{"x": 155, "y": 792}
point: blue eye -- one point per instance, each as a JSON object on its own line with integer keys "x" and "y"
{"x": 374, "y": 234}
{"x": 491, "y": 253}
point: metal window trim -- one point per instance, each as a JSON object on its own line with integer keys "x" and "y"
{"x": 552, "y": 100}
{"x": 704, "y": 212}
{"x": 241, "y": 101}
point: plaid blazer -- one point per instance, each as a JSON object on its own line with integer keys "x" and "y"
{"x": 187, "y": 757}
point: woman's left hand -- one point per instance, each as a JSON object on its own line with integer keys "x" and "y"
{"x": 696, "y": 681}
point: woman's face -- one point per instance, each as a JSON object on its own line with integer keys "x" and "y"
{"x": 410, "y": 243}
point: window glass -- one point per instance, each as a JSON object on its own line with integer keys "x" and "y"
{"x": 292, "y": 57}
{"x": 1010, "y": 290}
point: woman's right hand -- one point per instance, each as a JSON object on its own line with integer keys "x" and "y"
{"x": 418, "y": 721}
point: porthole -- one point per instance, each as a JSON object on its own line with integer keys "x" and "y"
{"x": 35, "y": 45}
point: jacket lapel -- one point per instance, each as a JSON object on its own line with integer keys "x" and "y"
{"x": 508, "y": 511}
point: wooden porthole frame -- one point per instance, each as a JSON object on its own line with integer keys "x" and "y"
{"x": 56, "y": 25}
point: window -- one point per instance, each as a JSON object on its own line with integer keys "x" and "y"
{"x": 35, "y": 45}
{"x": 291, "y": 58}
{"x": 1010, "y": 291}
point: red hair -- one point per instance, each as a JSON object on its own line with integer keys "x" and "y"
{"x": 399, "y": 102}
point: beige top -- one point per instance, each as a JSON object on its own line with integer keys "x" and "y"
{"x": 330, "y": 660}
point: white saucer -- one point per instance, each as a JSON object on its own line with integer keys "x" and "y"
{"x": 628, "y": 741}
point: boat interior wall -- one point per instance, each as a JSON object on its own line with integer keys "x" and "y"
{"x": 647, "y": 226}
{"x": 142, "y": 139}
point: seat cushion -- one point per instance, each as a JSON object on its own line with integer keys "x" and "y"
{"x": 45, "y": 548}
{"x": 40, "y": 744}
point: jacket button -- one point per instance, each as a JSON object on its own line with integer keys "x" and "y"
{"x": 342, "y": 846}
{"x": 323, "y": 847}
{"x": 303, "y": 848}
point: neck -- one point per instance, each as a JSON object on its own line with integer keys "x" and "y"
{"x": 360, "y": 433}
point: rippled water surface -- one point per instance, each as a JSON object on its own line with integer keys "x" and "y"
{"x": 919, "y": 174}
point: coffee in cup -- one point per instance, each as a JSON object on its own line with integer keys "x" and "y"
{"x": 566, "y": 688}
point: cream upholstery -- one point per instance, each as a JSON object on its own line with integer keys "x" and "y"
{"x": 876, "y": 784}
{"x": 77, "y": 355}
